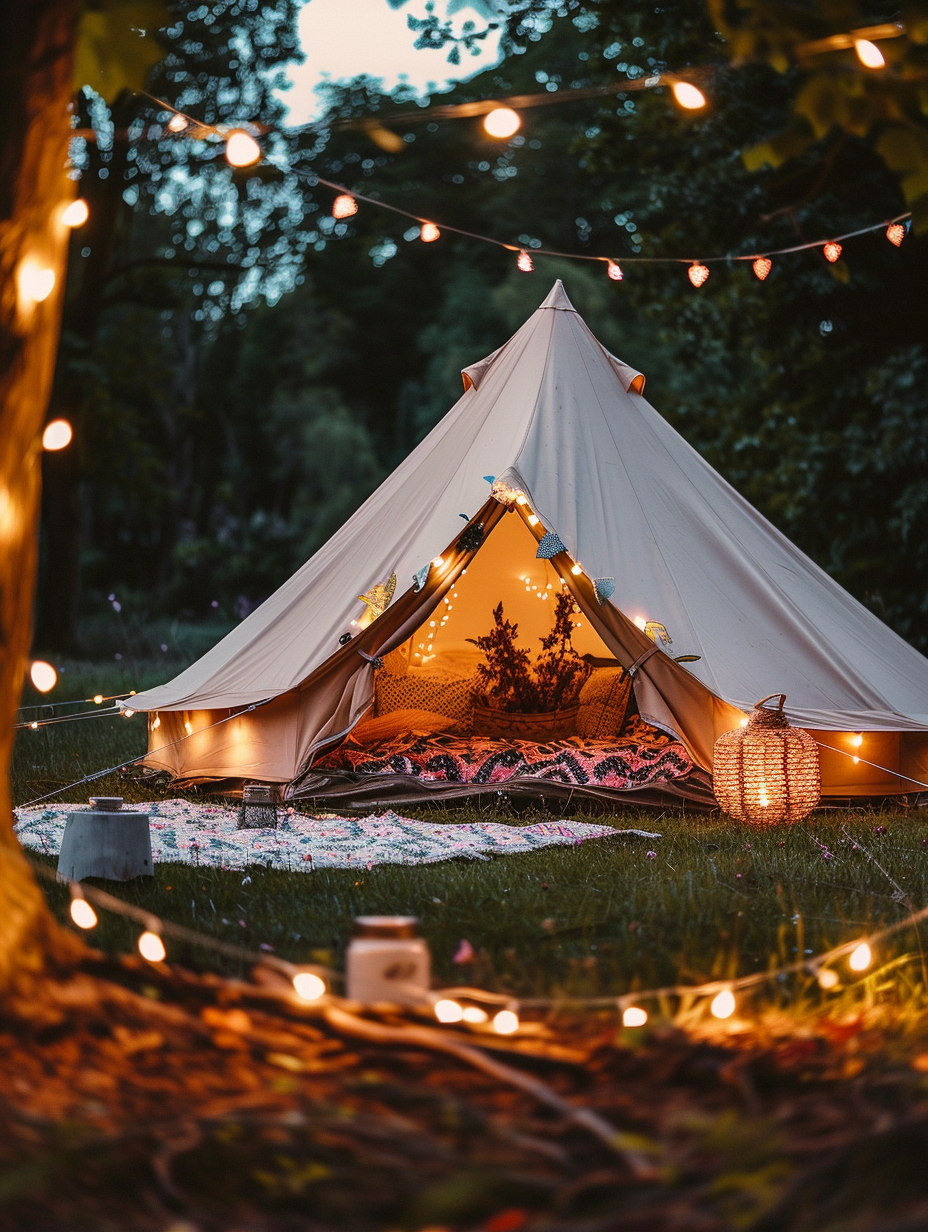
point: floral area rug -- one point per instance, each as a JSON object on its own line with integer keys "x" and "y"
{"x": 187, "y": 832}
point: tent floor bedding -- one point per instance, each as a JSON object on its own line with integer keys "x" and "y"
{"x": 651, "y": 772}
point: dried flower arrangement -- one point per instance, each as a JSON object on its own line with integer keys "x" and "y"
{"x": 509, "y": 680}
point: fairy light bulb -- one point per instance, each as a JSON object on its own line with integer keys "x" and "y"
{"x": 501, "y": 122}
{"x": 34, "y": 726}
{"x": 634, "y": 1016}
{"x": 525, "y": 262}
{"x": 438, "y": 562}
{"x": 308, "y": 986}
{"x": 151, "y": 947}
{"x": 576, "y": 569}
{"x": 521, "y": 499}
{"x": 860, "y": 958}
{"x": 506, "y": 1022}
{"x": 533, "y": 519}
{"x": 82, "y": 913}
{"x": 827, "y": 978}
{"x": 698, "y": 273}
{"x": 344, "y": 206}
{"x": 869, "y": 54}
{"x": 688, "y": 96}
{"x": 76, "y": 214}
{"x": 177, "y": 123}
{"x": 614, "y": 270}
{"x": 127, "y": 713}
{"x": 857, "y": 740}
{"x": 447, "y": 1010}
{"x": 429, "y": 233}
{"x": 241, "y": 149}
{"x": 895, "y": 233}
{"x": 43, "y": 676}
{"x": 474, "y": 1014}
{"x": 57, "y": 435}
{"x": 723, "y": 1004}
{"x": 762, "y": 267}
{"x": 831, "y": 251}
{"x": 97, "y": 699}
{"x": 640, "y": 623}
{"x": 35, "y": 282}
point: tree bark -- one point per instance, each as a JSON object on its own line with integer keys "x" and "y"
{"x": 36, "y": 64}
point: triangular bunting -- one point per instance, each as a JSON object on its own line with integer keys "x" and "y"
{"x": 604, "y": 589}
{"x": 490, "y": 478}
{"x": 549, "y": 545}
{"x": 419, "y": 579}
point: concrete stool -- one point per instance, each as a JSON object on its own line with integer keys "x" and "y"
{"x": 106, "y": 842}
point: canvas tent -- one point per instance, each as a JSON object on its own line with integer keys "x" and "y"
{"x": 555, "y": 417}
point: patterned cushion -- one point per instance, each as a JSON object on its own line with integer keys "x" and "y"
{"x": 450, "y": 697}
{"x": 605, "y": 702}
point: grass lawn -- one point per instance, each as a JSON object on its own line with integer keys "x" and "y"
{"x": 717, "y": 899}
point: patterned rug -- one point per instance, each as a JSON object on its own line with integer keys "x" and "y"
{"x": 642, "y": 758}
{"x": 184, "y": 832}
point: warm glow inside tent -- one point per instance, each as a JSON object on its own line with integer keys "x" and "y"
{"x": 552, "y": 434}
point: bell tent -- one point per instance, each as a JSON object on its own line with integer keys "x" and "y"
{"x": 568, "y": 480}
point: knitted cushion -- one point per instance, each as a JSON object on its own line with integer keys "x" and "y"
{"x": 605, "y": 701}
{"x": 453, "y": 698}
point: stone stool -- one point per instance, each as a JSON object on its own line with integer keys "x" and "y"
{"x": 106, "y": 842}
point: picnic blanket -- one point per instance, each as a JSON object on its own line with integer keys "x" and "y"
{"x": 191, "y": 832}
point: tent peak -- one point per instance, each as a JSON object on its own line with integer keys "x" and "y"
{"x": 557, "y": 298}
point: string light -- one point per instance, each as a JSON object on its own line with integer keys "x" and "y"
{"x": 438, "y": 562}
{"x": 35, "y": 282}
{"x": 533, "y": 519}
{"x": 634, "y": 1016}
{"x": 576, "y": 569}
{"x": 525, "y": 262}
{"x": 98, "y": 698}
{"x": 447, "y": 1010}
{"x": 860, "y": 958}
{"x": 43, "y": 676}
{"x": 151, "y": 947}
{"x": 127, "y": 713}
{"x": 34, "y": 725}
{"x": 157, "y": 722}
{"x": 723, "y": 1004}
{"x": 502, "y": 122}
{"x": 762, "y": 267}
{"x": 614, "y": 270}
{"x": 688, "y": 96}
{"x": 429, "y": 233}
{"x": 506, "y": 1022}
{"x": 76, "y": 214}
{"x": 474, "y": 1014}
{"x": 308, "y": 986}
{"x": 832, "y": 251}
{"x": 698, "y": 273}
{"x": 895, "y": 233}
{"x": 869, "y": 54}
{"x": 82, "y": 913}
{"x": 521, "y": 499}
{"x": 827, "y": 978}
{"x": 344, "y": 206}
{"x": 241, "y": 149}
{"x": 177, "y": 123}
{"x": 57, "y": 435}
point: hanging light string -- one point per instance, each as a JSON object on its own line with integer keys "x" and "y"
{"x": 34, "y": 724}
{"x": 313, "y": 177}
{"x": 315, "y": 980}
{"x": 347, "y": 198}
{"x": 124, "y": 765}
{"x": 98, "y": 699}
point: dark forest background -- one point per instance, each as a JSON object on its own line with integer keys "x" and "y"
{"x": 242, "y": 370}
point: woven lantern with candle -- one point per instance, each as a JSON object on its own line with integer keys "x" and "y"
{"x": 767, "y": 772}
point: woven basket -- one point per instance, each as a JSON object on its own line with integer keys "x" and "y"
{"x": 767, "y": 771}
{"x": 506, "y": 725}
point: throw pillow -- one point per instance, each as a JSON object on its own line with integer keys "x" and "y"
{"x": 452, "y": 698}
{"x": 605, "y": 701}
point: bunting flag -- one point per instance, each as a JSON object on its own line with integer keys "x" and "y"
{"x": 548, "y": 546}
{"x": 472, "y": 538}
{"x": 379, "y": 597}
{"x": 654, "y": 629}
{"x": 604, "y": 588}
{"x": 419, "y": 579}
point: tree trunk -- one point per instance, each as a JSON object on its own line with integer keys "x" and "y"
{"x": 36, "y": 58}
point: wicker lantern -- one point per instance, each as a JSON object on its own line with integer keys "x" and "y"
{"x": 767, "y": 772}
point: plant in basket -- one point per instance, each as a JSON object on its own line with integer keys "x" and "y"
{"x": 521, "y": 699}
